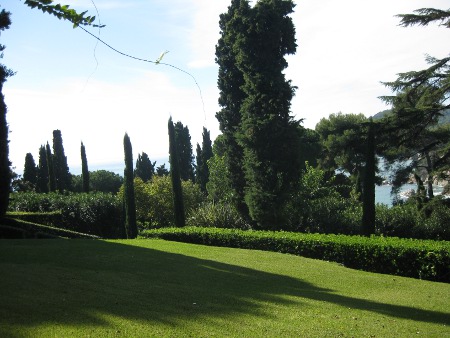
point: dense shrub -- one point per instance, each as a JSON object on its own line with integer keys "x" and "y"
{"x": 93, "y": 213}
{"x": 407, "y": 221}
{"x": 154, "y": 201}
{"x": 217, "y": 215}
{"x": 405, "y": 257}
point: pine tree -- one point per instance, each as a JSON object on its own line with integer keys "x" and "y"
{"x": 145, "y": 169}
{"x": 5, "y": 173}
{"x": 51, "y": 170}
{"x": 84, "y": 168}
{"x": 129, "y": 197}
{"x": 184, "y": 151}
{"x": 178, "y": 203}
{"x": 62, "y": 174}
{"x": 30, "y": 170}
{"x": 368, "y": 218}
{"x": 42, "y": 173}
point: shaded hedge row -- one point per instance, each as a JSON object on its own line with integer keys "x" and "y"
{"x": 97, "y": 213}
{"x": 422, "y": 259}
{"x": 12, "y": 228}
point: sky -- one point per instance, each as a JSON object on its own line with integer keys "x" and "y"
{"x": 65, "y": 79}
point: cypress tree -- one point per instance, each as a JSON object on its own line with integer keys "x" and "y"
{"x": 5, "y": 173}
{"x": 84, "y": 169}
{"x": 268, "y": 132}
{"x": 204, "y": 153}
{"x": 184, "y": 151}
{"x": 233, "y": 24}
{"x": 62, "y": 174}
{"x": 129, "y": 198}
{"x": 42, "y": 172}
{"x": 30, "y": 170}
{"x": 368, "y": 218}
{"x": 199, "y": 166}
{"x": 51, "y": 170}
{"x": 178, "y": 203}
{"x": 145, "y": 169}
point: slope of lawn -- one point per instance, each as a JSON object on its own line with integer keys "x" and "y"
{"x": 156, "y": 288}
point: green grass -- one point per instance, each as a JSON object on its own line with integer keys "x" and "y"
{"x": 155, "y": 288}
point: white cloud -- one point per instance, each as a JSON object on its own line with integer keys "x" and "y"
{"x": 100, "y": 113}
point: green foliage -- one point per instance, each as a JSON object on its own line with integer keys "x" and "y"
{"x": 412, "y": 258}
{"x": 368, "y": 217}
{"x": 154, "y": 201}
{"x": 319, "y": 207}
{"x": 94, "y": 213}
{"x": 51, "y": 170}
{"x": 219, "y": 186}
{"x": 216, "y": 215}
{"x": 62, "y": 12}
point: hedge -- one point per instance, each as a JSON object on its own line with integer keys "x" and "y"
{"x": 424, "y": 259}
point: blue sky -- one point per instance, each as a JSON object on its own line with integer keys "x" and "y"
{"x": 66, "y": 80}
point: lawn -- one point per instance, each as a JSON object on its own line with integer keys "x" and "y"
{"x": 155, "y": 288}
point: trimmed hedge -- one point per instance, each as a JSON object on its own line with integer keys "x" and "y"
{"x": 422, "y": 259}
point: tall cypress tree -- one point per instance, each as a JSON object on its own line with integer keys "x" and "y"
{"x": 368, "y": 218}
{"x": 51, "y": 170}
{"x": 5, "y": 175}
{"x": 130, "y": 201}
{"x": 30, "y": 170}
{"x": 62, "y": 174}
{"x": 178, "y": 203}
{"x": 233, "y": 26}
{"x": 267, "y": 131}
{"x": 42, "y": 173}
{"x": 204, "y": 153}
{"x": 184, "y": 151}
{"x": 84, "y": 169}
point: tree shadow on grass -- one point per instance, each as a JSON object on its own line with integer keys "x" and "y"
{"x": 76, "y": 282}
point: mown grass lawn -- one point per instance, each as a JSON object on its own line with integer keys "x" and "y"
{"x": 155, "y": 288}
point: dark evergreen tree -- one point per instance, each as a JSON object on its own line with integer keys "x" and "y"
{"x": 129, "y": 197}
{"x": 145, "y": 169}
{"x": 368, "y": 218}
{"x": 42, "y": 173}
{"x": 178, "y": 203}
{"x": 204, "y": 153}
{"x": 84, "y": 169}
{"x": 5, "y": 172}
{"x": 184, "y": 151}
{"x": 162, "y": 170}
{"x": 268, "y": 132}
{"x": 233, "y": 25}
{"x": 51, "y": 170}
{"x": 62, "y": 174}
{"x": 30, "y": 170}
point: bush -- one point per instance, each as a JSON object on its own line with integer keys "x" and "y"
{"x": 411, "y": 258}
{"x": 154, "y": 201}
{"x": 92, "y": 213}
{"x": 217, "y": 215}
